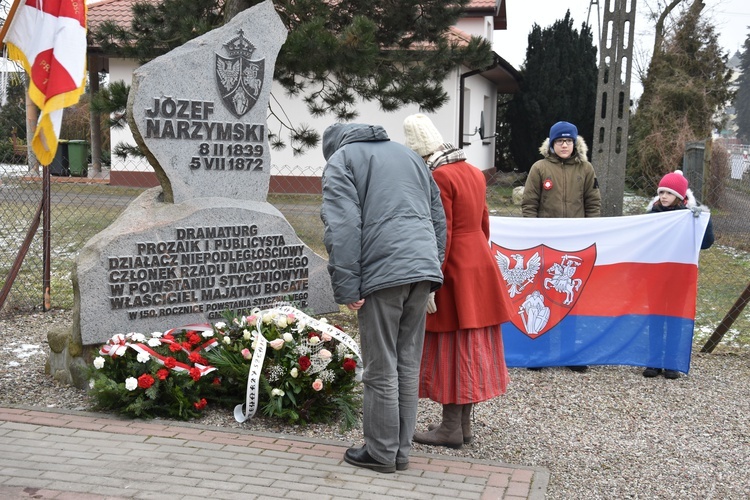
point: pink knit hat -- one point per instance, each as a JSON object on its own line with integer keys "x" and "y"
{"x": 674, "y": 183}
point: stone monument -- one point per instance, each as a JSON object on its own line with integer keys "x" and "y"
{"x": 205, "y": 241}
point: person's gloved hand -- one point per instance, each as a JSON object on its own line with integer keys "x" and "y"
{"x": 696, "y": 210}
{"x": 431, "y": 307}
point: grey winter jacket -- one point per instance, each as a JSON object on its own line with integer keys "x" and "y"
{"x": 384, "y": 221}
{"x": 562, "y": 188}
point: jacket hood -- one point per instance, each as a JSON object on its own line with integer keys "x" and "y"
{"x": 689, "y": 199}
{"x": 340, "y": 134}
{"x": 580, "y": 151}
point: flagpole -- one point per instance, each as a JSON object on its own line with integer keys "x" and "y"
{"x": 46, "y": 238}
{"x": 8, "y": 19}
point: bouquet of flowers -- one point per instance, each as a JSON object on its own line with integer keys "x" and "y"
{"x": 159, "y": 375}
{"x": 292, "y": 366}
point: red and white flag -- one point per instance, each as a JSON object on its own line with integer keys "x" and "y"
{"x": 49, "y": 38}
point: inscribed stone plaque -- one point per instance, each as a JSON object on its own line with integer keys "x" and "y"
{"x": 163, "y": 265}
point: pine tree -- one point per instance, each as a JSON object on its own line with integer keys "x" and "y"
{"x": 686, "y": 86}
{"x": 559, "y": 83}
{"x": 742, "y": 98}
{"x": 394, "y": 52}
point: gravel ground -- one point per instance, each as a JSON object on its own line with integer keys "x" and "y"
{"x": 609, "y": 433}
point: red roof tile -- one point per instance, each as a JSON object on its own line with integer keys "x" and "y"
{"x": 119, "y": 11}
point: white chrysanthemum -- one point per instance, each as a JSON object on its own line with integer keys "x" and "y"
{"x": 207, "y": 334}
{"x": 143, "y": 357}
{"x": 220, "y": 325}
{"x": 156, "y": 335}
{"x": 154, "y": 342}
{"x": 138, "y": 337}
{"x": 131, "y": 383}
{"x": 288, "y": 337}
{"x": 98, "y": 362}
{"x": 275, "y": 392}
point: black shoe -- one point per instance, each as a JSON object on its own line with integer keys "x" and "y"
{"x": 579, "y": 369}
{"x": 651, "y": 372}
{"x": 534, "y": 368}
{"x": 671, "y": 374}
{"x": 360, "y": 458}
{"x": 402, "y": 465}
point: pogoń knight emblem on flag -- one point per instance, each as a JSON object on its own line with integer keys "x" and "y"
{"x": 239, "y": 78}
{"x": 543, "y": 283}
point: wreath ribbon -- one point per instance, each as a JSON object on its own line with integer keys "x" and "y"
{"x": 243, "y": 412}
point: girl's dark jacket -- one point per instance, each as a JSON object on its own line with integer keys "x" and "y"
{"x": 655, "y": 207}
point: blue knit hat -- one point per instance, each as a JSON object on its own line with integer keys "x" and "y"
{"x": 561, "y": 130}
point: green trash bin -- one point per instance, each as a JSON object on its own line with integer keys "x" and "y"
{"x": 78, "y": 158}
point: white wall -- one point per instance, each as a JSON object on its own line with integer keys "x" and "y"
{"x": 479, "y": 153}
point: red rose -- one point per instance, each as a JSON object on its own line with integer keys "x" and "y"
{"x": 217, "y": 381}
{"x": 200, "y": 404}
{"x": 195, "y": 374}
{"x": 304, "y": 363}
{"x": 168, "y": 336}
{"x": 170, "y": 362}
{"x": 162, "y": 374}
{"x": 186, "y": 345}
{"x": 349, "y": 365}
{"x": 145, "y": 381}
{"x": 175, "y": 347}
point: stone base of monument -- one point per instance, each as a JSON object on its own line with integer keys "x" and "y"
{"x": 163, "y": 265}
{"x": 67, "y": 361}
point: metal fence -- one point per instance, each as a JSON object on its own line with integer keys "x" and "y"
{"x": 87, "y": 201}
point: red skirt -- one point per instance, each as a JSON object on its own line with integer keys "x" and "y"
{"x": 467, "y": 366}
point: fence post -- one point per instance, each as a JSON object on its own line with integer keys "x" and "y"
{"x": 728, "y": 320}
{"x": 693, "y": 166}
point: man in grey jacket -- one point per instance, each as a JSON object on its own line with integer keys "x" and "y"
{"x": 385, "y": 236}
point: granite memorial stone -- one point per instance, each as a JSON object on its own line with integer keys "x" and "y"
{"x": 206, "y": 241}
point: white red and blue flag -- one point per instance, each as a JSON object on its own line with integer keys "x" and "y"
{"x": 599, "y": 291}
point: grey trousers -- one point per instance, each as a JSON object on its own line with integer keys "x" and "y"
{"x": 391, "y": 329}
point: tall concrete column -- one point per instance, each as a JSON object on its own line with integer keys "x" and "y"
{"x": 609, "y": 150}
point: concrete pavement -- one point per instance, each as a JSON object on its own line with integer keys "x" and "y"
{"x": 64, "y": 454}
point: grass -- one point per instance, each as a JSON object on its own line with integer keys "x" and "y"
{"x": 724, "y": 270}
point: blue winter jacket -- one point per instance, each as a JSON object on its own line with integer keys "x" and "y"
{"x": 384, "y": 221}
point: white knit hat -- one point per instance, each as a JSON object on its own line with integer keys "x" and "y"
{"x": 421, "y": 135}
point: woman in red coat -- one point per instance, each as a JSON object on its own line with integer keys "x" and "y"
{"x": 462, "y": 361}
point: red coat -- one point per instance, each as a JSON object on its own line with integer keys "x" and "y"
{"x": 472, "y": 294}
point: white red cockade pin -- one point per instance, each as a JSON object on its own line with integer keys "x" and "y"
{"x": 547, "y": 184}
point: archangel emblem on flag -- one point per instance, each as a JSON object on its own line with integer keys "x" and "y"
{"x": 543, "y": 283}
{"x": 239, "y": 78}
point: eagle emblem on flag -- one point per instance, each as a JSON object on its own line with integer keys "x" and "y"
{"x": 239, "y": 78}
{"x": 543, "y": 283}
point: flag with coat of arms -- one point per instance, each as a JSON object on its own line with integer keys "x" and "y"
{"x": 599, "y": 291}
{"x": 48, "y": 37}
